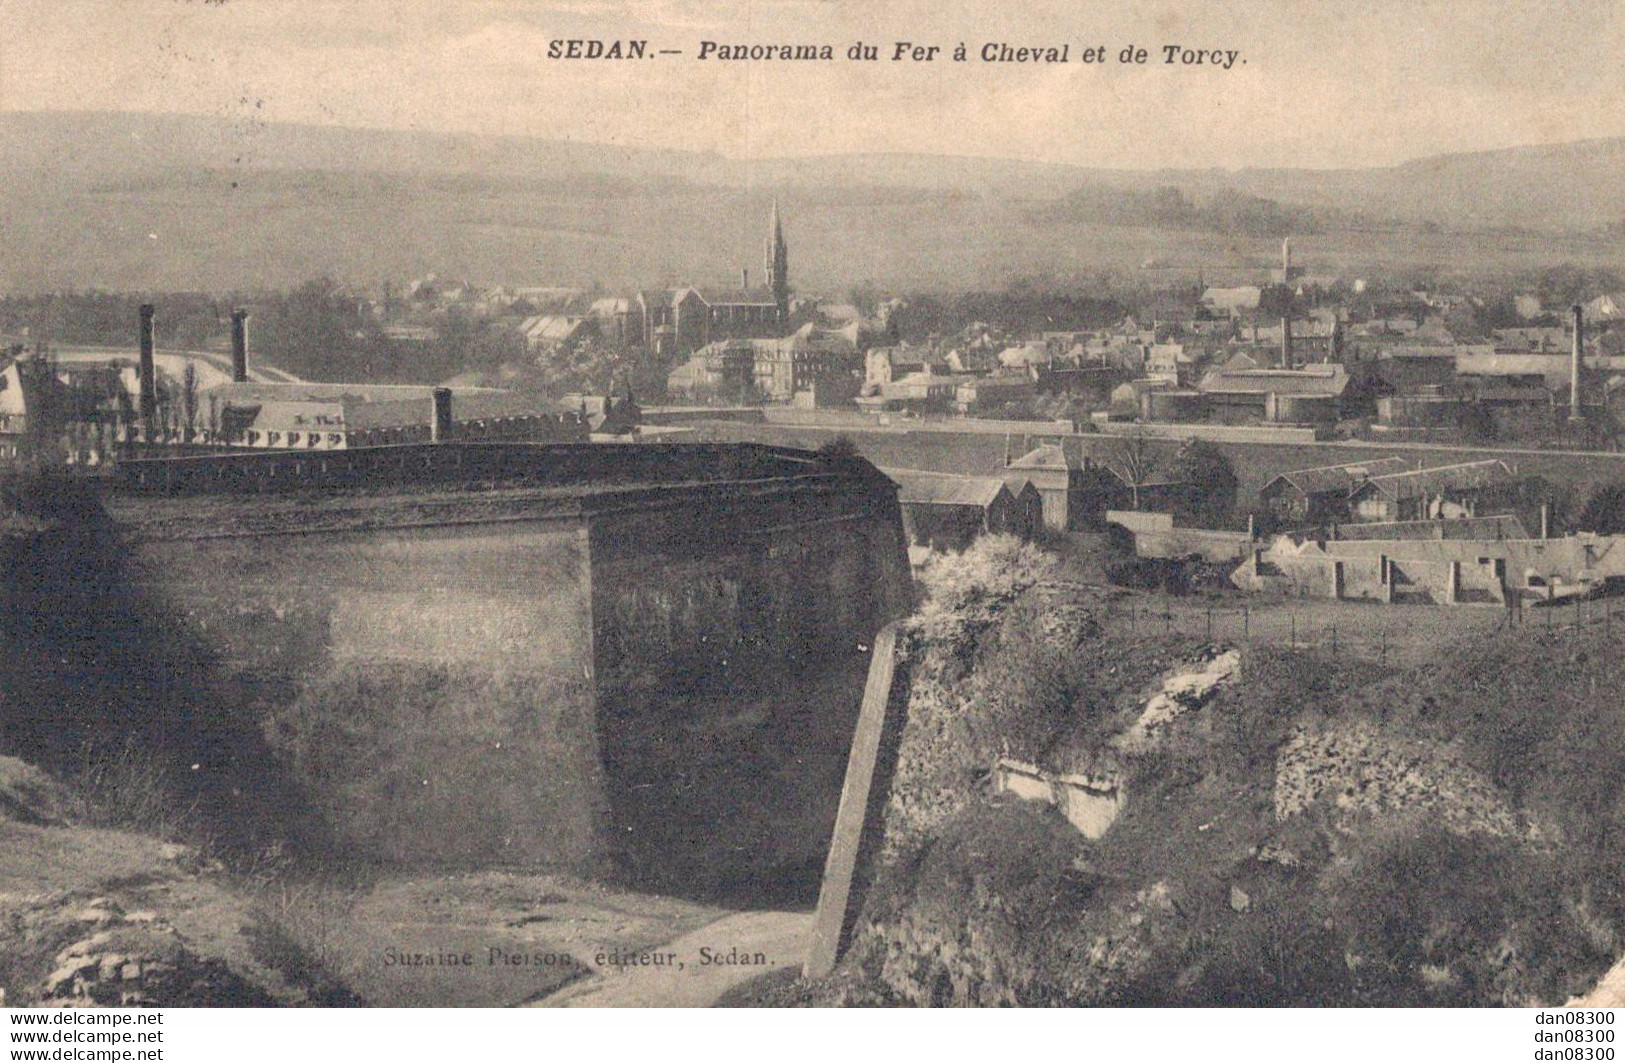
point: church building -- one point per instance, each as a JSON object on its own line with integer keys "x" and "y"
{"x": 682, "y": 320}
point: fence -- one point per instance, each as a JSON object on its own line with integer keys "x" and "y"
{"x": 1384, "y": 633}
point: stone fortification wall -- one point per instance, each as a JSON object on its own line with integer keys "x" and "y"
{"x": 471, "y": 673}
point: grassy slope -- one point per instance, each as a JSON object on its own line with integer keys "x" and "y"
{"x": 197, "y": 202}
{"x": 214, "y": 230}
{"x": 1255, "y": 464}
{"x": 1199, "y": 894}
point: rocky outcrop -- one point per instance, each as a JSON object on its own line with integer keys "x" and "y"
{"x": 1190, "y": 686}
{"x": 136, "y": 958}
{"x": 1358, "y": 773}
{"x": 984, "y": 957}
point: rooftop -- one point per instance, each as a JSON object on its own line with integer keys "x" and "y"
{"x": 1340, "y": 478}
{"x": 737, "y": 296}
{"x": 1328, "y": 380}
{"x": 919, "y": 487}
{"x": 1046, "y": 456}
{"x": 1418, "y": 482}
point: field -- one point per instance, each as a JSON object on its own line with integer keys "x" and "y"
{"x": 230, "y": 230}
{"x": 1255, "y": 464}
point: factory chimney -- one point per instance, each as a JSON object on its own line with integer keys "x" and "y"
{"x": 744, "y": 278}
{"x": 440, "y": 421}
{"x": 148, "y": 408}
{"x": 1286, "y": 342}
{"x": 1574, "y": 363}
{"x": 239, "y": 346}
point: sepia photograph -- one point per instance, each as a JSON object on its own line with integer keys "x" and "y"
{"x": 746, "y": 504}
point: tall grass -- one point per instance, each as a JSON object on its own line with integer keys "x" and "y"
{"x": 126, "y": 785}
{"x": 298, "y": 931}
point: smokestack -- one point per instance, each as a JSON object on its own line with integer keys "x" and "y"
{"x": 1574, "y": 364}
{"x": 744, "y": 278}
{"x": 239, "y": 346}
{"x": 148, "y": 385}
{"x": 1545, "y": 520}
{"x": 1286, "y": 343}
{"x": 440, "y": 422}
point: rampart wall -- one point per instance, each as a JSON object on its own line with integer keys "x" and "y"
{"x": 506, "y": 654}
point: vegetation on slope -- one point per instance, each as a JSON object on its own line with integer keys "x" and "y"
{"x": 1325, "y": 830}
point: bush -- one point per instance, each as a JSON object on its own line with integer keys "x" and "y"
{"x": 994, "y": 568}
{"x": 841, "y": 448}
{"x": 1435, "y": 918}
{"x": 1604, "y": 511}
{"x": 1149, "y": 573}
{"x": 1029, "y": 677}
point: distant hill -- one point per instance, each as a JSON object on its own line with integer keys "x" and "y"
{"x": 153, "y": 201}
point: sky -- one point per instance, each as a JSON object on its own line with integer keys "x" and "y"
{"x": 1316, "y": 84}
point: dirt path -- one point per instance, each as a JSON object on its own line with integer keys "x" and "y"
{"x": 694, "y": 970}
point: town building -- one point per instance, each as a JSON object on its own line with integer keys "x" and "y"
{"x": 1091, "y": 386}
{"x": 1444, "y": 491}
{"x": 770, "y": 370}
{"x": 553, "y": 333}
{"x": 1309, "y": 395}
{"x": 304, "y": 416}
{"x": 1075, "y": 491}
{"x": 1443, "y": 571}
{"x": 884, "y": 365}
{"x": 1321, "y": 495}
{"x": 945, "y": 511}
{"x": 1232, "y": 301}
{"x": 988, "y": 393}
{"x": 682, "y": 320}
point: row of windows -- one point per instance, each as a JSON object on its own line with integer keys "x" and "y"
{"x": 254, "y": 438}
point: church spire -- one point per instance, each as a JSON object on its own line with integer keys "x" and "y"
{"x": 777, "y": 259}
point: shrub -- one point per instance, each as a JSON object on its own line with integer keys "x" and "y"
{"x": 1604, "y": 511}
{"x": 996, "y": 567}
{"x": 839, "y": 449}
{"x": 1435, "y": 918}
{"x": 1149, "y": 573}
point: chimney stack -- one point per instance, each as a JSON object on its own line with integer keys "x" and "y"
{"x": 440, "y": 422}
{"x": 1286, "y": 342}
{"x": 744, "y": 278}
{"x": 239, "y": 346}
{"x": 1545, "y": 520}
{"x": 1574, "y": 364}
{"x": 148, "y": 385}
